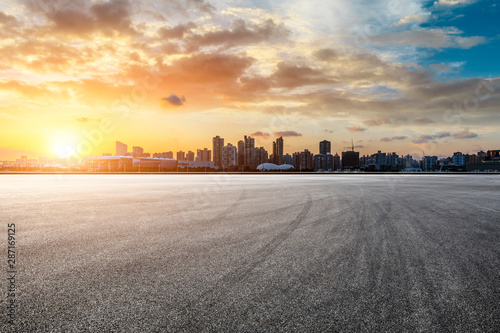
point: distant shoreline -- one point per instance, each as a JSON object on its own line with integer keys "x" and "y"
{"x": 247, "y": 173}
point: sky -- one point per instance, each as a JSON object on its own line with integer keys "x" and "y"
{"x": 404, "y": 76}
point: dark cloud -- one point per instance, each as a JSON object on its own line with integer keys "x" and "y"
{"x": 427, "y": 138}
{"x": 176, "y": 32}
{"x": 113, "y": 14}
{"x": 423, "y": 121}
{"x": 82, "y": 17}
{"x": 7, "y": 20}
{"x": 465, "y": 134}
{"x": 373, "y": 122}
{"x": 441, "y": 135}
{"x": 325, "y": 54}
{"x": 202, "y": 6}
{"x": 260, "y": 134}
{"x": 354, "y": 129}
{"x": 134, "y": 56}
{"x": 209, "y": 68}
{"x": 399, "y": 137}
{"x": 286, "y": 133}
{"x": 175, "y": 100}
{"x": 289, "y": 75}
{"x": 240, "y": 33}
{"x": 400, "y": 120}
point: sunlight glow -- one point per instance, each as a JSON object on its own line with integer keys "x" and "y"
{"x": 63, "y": 145}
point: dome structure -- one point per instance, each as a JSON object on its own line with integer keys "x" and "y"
{"x": 272, "y": 166}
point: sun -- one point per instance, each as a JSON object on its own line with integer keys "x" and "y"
{"x": 64, "y": 145}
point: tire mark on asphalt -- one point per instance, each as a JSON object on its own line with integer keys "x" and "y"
{"x": 211, "y": 298}
{"x": 265, "y": 251}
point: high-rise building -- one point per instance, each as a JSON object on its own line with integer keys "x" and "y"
{"x": 218, "y": 143}
{"x": 380, "y": 160}
{"x": 241, "y": 153}
{"x": 137, "y": 151}
{"x": 121, "y": 149}
{"x": 350, "y": 160}
{"x": 190, "y": 156}
{"x": 181, "y": 156}
{"x": 491, "y": 155}
{"x": 459, "y": 159}
{"x": 229, "y": 156}
{"x": 24, "y": 160}
{"x": 429, "y": 163}
{"x": 336, "y": 162}
{"x": 259, "y": 156}
{"x": 407, "y": 162}
{"x": 273, "y": 156}
{"x": 287, "y": 159}
{"x": 249, "y": 146}
{"x": 325, "y": 147}
{"x": 323, "y": 162}
{"x": 204, "y": 155}
{"x": 278, "y": 151}
{"x": 303, "y": 160}
{"x": 481, "y": 155}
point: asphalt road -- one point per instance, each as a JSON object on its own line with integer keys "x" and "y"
{"x": 252, "y": 253}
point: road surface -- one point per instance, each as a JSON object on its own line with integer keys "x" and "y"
{"x": 252, "y": 253}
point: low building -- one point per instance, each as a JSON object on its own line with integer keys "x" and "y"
{"x": 109, "y": 163}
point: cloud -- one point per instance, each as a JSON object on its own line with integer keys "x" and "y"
{"x": 453, "y": 2}
{"x": 108, "y": 18}
{"x": 175, "y": 100}
{"x": 400, "y": 137}
{"x": 440, "y": 135}
{"x": 7, "y": 20}
{"x": 373, "y": 122}
{"x": 290, "y": 75}
{"x": 286, "y": 133}
{"x": 358, "y": 146}
{"x": 240, "y": 33}
{"x": 427, "y": 138}
{"x": 176, "y": 32}
{"x": 416, "y": 18}
{"x": 423, "y": 121}
{"x": 249, "y": 61}
{"x": 448, "y": 68}
{"x": 260, "y": 134}
{"x": 325, "y": 54}
{"x": 354, "y": 129}
{"x": 434, "y": 38}
{"x": 400, "y": 120}
{"x": 465, "y": 134}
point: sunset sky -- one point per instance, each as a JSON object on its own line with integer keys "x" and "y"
{"x": 405, "y": 76}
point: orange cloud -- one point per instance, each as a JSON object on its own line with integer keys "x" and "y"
{"x": 355, "y": 129}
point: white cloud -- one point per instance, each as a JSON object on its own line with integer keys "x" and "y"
{"x": 417, "y": 18}
{"x": 436, "y": 38}
{"x": 453, "y": 2}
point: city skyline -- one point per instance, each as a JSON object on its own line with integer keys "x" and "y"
{"x": 406, "y": 75}
{"x": 245, "y": 156}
